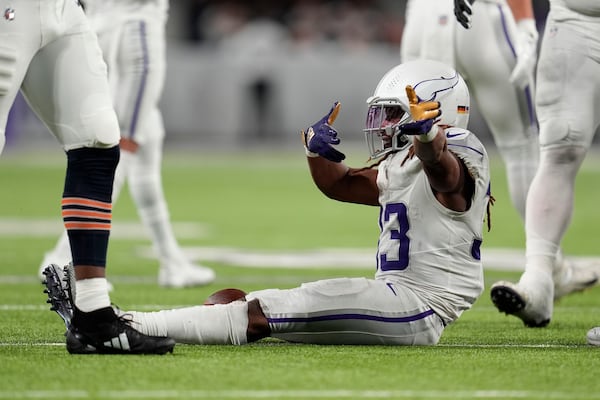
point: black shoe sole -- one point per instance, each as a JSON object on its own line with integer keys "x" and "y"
{"x": 77, "y": 344}
{"x": 510, "y": 302}
{"x": 57, "y": 298}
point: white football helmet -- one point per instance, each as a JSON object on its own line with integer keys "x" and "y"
{"x": 388, "y": 108}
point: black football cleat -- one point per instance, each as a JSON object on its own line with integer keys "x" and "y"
{"x": 100, "y": 331}
{"x": 103, "y": 332}
{"x": 58, "y": 289}
{"x": 512, "y": 299}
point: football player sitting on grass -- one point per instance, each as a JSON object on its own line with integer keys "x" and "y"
{"x": 430, "y": 179}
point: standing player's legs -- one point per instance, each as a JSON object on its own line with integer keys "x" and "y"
{"x": 333, "y": 311}
{"x": 485, "y": 55}
{"x": 568, "y": 98}
{"x": 567, "y": 103}
{"x": 135, "y": 53}
{"x": 67, "y": 88}
{"x": 138, "y": 56}
{"x": 145, "y": 186}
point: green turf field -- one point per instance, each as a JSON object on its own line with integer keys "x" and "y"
{"x": 265, "y": 203}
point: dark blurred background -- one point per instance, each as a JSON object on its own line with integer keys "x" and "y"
{"x": 253, "y": 73}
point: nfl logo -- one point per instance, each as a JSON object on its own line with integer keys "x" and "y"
{"x": 9, "y": 14}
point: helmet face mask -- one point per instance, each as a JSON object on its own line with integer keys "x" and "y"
{"x": 388, "y": 109}
{"x": 382, "y": 132}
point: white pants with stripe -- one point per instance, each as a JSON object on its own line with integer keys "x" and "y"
{"x": 349, "y": 311}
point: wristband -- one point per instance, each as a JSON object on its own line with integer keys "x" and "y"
{"x": 310, "y": 153}
{"x": 429, "y": 136}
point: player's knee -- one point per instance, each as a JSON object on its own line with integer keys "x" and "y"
{"x": 103, "y": 126}
{"x": 96, "y": 128}
{"x": 88, "y": 158}
{"x": 563, "y": 156}
{"x": 555, "y": 132}
{"x": 90, "y": 172}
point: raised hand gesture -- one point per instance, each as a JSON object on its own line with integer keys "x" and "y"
{"x": 319, "y": 137}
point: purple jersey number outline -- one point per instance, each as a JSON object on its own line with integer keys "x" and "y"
{"x": 400, "y": 235}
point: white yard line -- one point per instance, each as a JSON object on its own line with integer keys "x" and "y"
{"x": 24, "y": 227}
{"x": 343, "y": 258}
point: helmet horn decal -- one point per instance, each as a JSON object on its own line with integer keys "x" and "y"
{"x": 429, "y": 89}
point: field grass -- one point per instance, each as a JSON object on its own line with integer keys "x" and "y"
{"x": 266, "y": 202}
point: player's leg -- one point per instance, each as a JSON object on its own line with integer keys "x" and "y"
{"x": 19, "y": 41}
{"x": 9, "y": 85}
{"x": 485, "y": 56}
{"x": 335, "y": 311}
{"x": 60, "y": 254}
{"x": 71, "y": 96}
{"x": 410, "y": 47}
{"x": 140, "y": 58}
{"x": 146, "y": 189}
{"x": 567, "y": 99}
{"x": 238, "y": 323}
{"x": 214, "y": 324}
{"x": 349, "y": 311}
{"x": 436, "y": 41}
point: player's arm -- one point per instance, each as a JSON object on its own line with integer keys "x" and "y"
{"x": 447, "y": 175}
{"x": 334, "y": 178}
{"x": 526, "y": 42}
{"x": 340, "y": 182}
{"x": 521, "y": 9}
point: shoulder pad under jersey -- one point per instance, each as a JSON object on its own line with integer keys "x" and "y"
{"x": 470, "y": 150}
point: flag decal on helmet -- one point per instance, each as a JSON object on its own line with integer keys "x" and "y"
{"x": 462, "y": 109}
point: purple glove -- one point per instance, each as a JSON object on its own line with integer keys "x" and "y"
{"x": 417, "y": 128}
{"x": 425, "y": 114}
{"x": 319, "y": 137}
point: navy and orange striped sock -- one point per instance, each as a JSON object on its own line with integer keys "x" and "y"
{"x": 87, "y": 203}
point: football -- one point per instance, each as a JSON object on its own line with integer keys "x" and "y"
{"x": 225, "y": 296}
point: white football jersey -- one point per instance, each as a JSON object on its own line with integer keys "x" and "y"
{"x": 423, "y": 245}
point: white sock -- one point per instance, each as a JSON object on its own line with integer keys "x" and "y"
{"x": 218, "y": 324}
{"x": 145, "y": 186}
{"x": 521, "y": 162}
{"x": 148, "y": 323}
{"x": 159, "y": 226}
{"x": 549, "y": 209}
{"x": 92, "y": 294}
